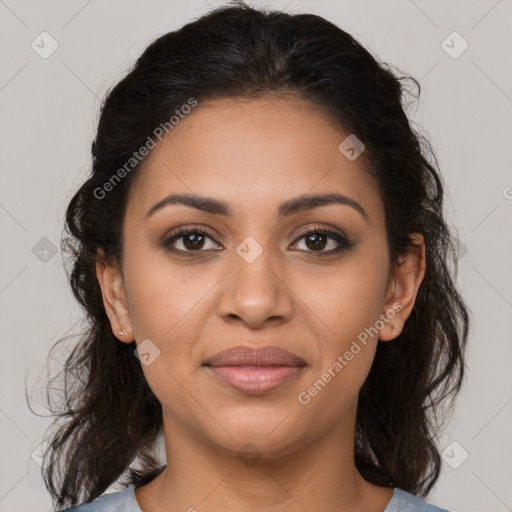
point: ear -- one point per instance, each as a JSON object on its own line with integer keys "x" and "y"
{"x": 114, "y": 298}
{"x": 403, "y": 288}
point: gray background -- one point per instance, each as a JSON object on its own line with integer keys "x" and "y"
{"x": 49, "y": 108}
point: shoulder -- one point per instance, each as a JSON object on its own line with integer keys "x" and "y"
{"x": 404, "y": 501}
{"x": 121, "y": 501}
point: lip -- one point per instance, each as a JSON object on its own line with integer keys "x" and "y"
{"x": 255, "y": 371}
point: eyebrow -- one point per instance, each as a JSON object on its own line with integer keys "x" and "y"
{"x": 285, "y": 209}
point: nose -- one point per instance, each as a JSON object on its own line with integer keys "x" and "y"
{"x": 256, "y": 293}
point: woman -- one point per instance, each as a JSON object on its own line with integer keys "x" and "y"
{"x": 263, "y": 258}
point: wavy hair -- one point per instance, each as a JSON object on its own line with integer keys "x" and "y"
{"x": 106, "y": 426}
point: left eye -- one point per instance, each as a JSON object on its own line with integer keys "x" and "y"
{"x": 317, "y": 240}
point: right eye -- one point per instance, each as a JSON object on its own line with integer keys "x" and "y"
{"x": 191, "y": 240}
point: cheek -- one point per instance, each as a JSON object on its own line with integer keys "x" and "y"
{"x": 346, "y": 308}
{"x": 170, "y": 307}
{"x": 332, "y": 394}
{"x": 344, "y": 351}
{"x": 167, "y": 307}
{"x": 162, "y": 296}
{"x": 346, "y": 298}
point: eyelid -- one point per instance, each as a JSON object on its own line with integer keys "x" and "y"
{"x": 317, "y": 227}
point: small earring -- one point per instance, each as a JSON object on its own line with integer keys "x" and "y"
{"x": 394, "y": 327}
{"x": 121, "y": 333}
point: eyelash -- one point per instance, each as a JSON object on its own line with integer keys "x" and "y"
{"x": 344, "y": 243}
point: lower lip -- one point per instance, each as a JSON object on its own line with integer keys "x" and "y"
{"x": 255, "y": 380}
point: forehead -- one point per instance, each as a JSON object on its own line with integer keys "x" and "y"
{"x": 253, "y": 153}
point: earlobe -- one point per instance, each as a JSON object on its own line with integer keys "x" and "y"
{"x": 403, "y": 288}
{"x": 114, "y": 298}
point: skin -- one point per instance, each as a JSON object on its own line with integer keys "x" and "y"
{"x": 254, "y": 154}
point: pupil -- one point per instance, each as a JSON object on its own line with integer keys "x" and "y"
{"x": 319, "y": 241}
{"x": 194, "y": 239}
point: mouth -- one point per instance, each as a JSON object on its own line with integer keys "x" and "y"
{"x": 255, "y": 371}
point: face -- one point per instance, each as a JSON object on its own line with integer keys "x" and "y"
{"x": 258, "y": 270}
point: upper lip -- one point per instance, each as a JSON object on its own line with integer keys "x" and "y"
{"x": 248, "y": 356}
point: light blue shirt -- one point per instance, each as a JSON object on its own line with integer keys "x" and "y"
{"x": 124, "y": 501}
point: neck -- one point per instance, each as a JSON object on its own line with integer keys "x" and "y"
{"x": 319, "y": 475}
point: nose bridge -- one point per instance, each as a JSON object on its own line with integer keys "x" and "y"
{"x": 255, "y": 291}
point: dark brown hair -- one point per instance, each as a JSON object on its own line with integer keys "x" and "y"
{"x": 109, "y": 419}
